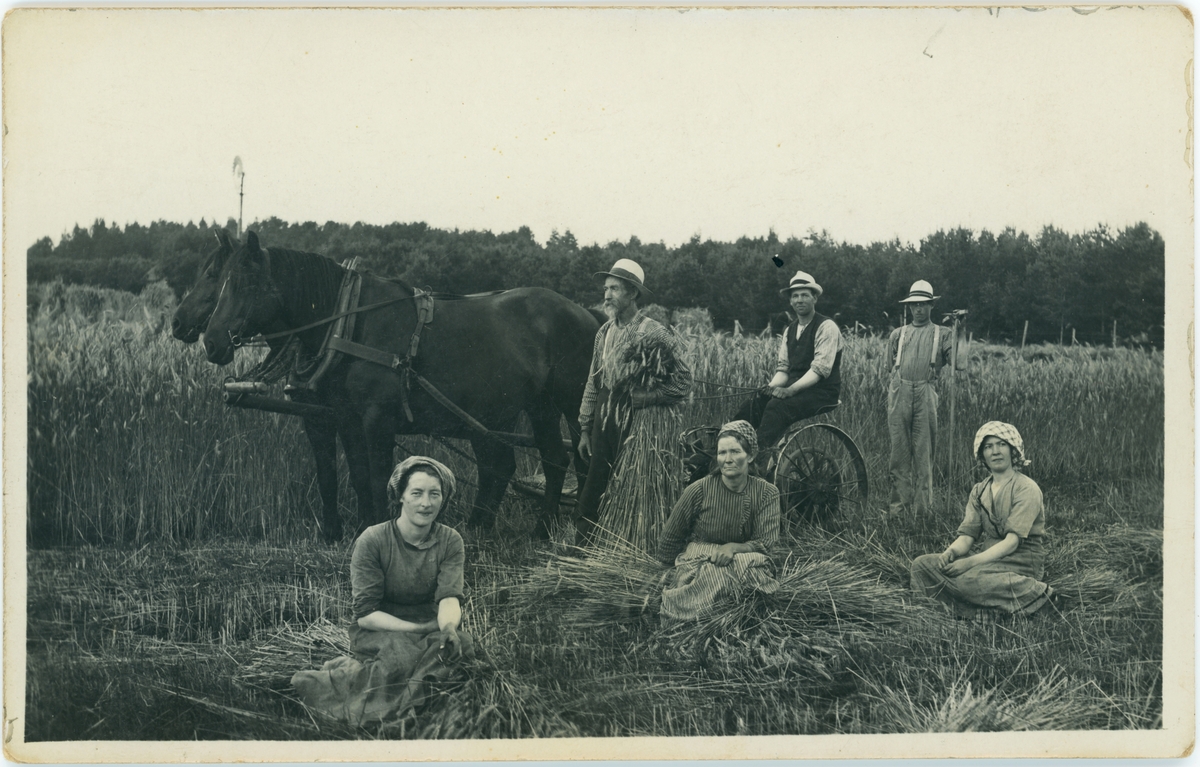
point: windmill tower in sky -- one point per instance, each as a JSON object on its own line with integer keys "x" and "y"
{"x": 239, "y": 172}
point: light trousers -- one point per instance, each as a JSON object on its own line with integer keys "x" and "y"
{"x": 912, "y": 426}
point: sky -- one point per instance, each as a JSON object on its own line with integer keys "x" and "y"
{"x": 656, "y": 123}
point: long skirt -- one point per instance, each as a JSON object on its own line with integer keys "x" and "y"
{"x": 701, "y": 587}
{"x": 391, "y": 672}
{"x": 1012, "y": 584}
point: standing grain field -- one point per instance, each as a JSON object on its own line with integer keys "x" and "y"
{"x": 196, "y": 524}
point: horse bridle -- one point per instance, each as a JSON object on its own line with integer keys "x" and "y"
{"x": 319, "y": 323}
{"x": 236, "y": 340}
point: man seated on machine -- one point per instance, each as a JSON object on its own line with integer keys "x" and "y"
{"x": 807, "y": 378}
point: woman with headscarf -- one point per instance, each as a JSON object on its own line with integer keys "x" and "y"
{"x": 720, "y": 532}
{"x": 406, "y": 578}
{"x": 996, "y": 563}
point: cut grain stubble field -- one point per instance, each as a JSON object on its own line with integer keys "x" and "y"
{"x": 171, "y": 570}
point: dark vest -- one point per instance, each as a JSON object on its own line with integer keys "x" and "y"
{"x": 802, "y": 350}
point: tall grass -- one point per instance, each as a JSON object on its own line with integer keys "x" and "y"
{"x": 1076, "y": 407}
{"x": 189, "y": 591}
{"x": 129, "y": 440}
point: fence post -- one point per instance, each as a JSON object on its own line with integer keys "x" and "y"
{"x": 1023, "y": 334}
{"x": 1072, "y": 336}
{"x": 1114, "y": 334}
{"x": 950, "y": 442}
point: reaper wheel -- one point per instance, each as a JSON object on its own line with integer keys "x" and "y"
{"x": 699, "y": 452}
{"x": 820, "y": 474}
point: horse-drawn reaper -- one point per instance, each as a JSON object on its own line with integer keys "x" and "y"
{"x": 476, "y": 362}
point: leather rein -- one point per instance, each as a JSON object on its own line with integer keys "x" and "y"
{"x": 238, "y": 341}
{"x": 335, "y": 343}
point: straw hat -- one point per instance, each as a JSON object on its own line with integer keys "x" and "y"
{"x": 628, "y": 270}
{"x": 802, "y": 280}
{"x": 920, "y": 292}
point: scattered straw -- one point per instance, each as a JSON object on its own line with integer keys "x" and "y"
{"x": 289, "y": 649}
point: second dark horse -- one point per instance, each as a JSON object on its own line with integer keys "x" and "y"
{"x": 190, "y": 320}
{"x": 523, "y": 350}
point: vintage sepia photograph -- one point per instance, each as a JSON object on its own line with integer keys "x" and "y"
{"x": 598, "y": 383}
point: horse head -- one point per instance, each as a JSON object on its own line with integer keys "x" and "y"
{"x": 197, "y": 306}
{"x": 248, "y": 302}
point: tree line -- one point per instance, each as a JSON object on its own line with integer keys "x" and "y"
{"x": 1056, "y": 281}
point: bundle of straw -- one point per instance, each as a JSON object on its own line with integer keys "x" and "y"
{"x": 279, "y": 654}
{"x": 616, "y": 583}
{"x": 823, "y": 617}
{"x": 648, "y": 472}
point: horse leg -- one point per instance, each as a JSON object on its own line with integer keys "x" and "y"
{"x": 580, "y": 465}
{"x": 565, "y": 389}
{"x": 548, "y": 438}
{"x": 358, "y": 460}
{"x": 322, "y": 437}
{"x": 496, "y": 465}
{"x": 379, "y": 429}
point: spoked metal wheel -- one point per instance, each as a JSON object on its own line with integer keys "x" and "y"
{"x": 820, "y": 474}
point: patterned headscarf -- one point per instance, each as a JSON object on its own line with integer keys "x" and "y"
{"x": 741, "y": 429}
{"x": 1006, "y": 432}
{"x": 399, "y": 479}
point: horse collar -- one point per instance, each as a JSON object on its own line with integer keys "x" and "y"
{"x": 423, "y": 301}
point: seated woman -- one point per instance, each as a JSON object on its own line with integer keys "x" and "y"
{"x": 406, "y": 578}
{"x": 728, "y": 521}
{"x": 1004, "y": 525}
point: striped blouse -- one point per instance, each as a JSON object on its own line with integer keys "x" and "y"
{"x": 709, "y": 512}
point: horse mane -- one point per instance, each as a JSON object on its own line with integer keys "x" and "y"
{"x": 308, "y": 279}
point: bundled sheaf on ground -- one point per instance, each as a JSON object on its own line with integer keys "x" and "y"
{"x": 175, "y": 583}
{"x": 571, "y": 646}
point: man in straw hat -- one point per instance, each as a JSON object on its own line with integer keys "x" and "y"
{"x": 916, "y": 353}
{"x": 626, "y": 328}
{"x": 807, "y": 370}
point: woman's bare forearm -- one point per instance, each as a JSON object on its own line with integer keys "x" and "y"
{"x": 381, "y": 621}
{"x": 449, "y": 614}
{"x": 961, "y": 545}
{"x": 998, "y": 551}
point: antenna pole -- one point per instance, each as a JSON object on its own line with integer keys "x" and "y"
{"x": 241, "y": 192}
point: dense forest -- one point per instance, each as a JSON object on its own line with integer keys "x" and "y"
{"x": 1056, "y": 281}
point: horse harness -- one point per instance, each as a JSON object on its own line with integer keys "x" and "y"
{"x": 337, "y": 342}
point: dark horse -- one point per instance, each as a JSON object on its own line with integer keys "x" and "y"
{"x": 190, "y": 320}
{"x": 523, "y": 350}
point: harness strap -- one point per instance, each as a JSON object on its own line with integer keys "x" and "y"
{"x": 336, "y": 342}
{"x": 365, "y": 352}
{"x": 343, "y": 326}
{"x": 331, "y": 318}
{"x": 423, "y": 305}
{"x": 393, "y": 362}
{"x": 449, "y": 405}
{"x": 423, "y": 301}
